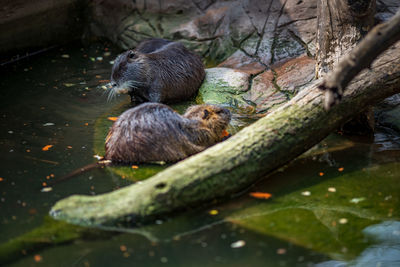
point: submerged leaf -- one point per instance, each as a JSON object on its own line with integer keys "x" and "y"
{"x": 261, "y": 195}
{"x": 47, "y": 147}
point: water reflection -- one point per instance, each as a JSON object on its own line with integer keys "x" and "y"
{"x": 384, "y": 251}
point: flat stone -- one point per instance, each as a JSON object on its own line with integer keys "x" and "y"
{"x": 224, "y": 86}
{"x": 264, "y": 94}
{"x": 295, "y": 74}
{"x": 243, "y": 62}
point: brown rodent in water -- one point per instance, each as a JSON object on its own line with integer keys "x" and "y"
{"x": 154, "y": 132}
{"x": 157, "y": 70}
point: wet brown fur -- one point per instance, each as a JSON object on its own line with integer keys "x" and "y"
{"x": 154, "y": 132}
{"x": 157, "y": 70}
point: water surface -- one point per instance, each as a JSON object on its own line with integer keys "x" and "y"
{"x": 339, "y": 202}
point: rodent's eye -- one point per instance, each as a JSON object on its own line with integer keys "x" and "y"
{"x": 131, "y": 55}
{"x": 206, "y": 114}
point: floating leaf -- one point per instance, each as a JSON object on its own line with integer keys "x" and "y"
{"x": 37, "y": 258}
{"x": 48, "y": 124}
{"x": 213, "y": 212}
{"x": 340, "y": 169}
{"x": 261, "y": 195}
{"x": 135, "y": 167}
{"x": 332, "y": 189}
{"x": 112, "y": 118}
{"x": 281, "y": 251}
{"x": 238, "y": 244}
{"x": 357, "y": 200}
{"x": 47, "y": 147}
{"x": 46, "y": 189}
{"x": 306, "y": 193}
{"x": 321, "y": 174}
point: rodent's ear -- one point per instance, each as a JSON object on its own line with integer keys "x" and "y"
{"x": 206, "y": 114}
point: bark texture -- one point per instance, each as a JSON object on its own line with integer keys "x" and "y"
{"x": 341, "y": 24}
{"x": 378, "y": 40}
{"x": 238, "y": 162}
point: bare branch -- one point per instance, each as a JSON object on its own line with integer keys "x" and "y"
{"x": 375, "y": 42}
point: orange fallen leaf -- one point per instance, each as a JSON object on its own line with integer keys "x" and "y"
{"x": 123, "y": 248}
{"x": 321, "y": 174}
{"x": 32, "y": 211}
{"x": 281, "y": 251}
{"x": 213, "y": 212}
{"x": 37, "y": 258}
{"x": 1, "y": 179}
{"x": 69, "y": 147}
{"x": 47, "y": 147}
{"x": 224, "y": 133}
{"x": 341, "y": 169}
{"x": 260, "y": 195}
{"x": 44, "y": 184}
{"x": 112, "y": 118}
{"x": 135, "y": 167}
{"x": 86, "y": 124}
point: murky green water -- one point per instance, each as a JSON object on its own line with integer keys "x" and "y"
{"x": 339, "y": 202}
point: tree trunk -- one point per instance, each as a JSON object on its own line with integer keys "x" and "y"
{"x": 235, "y": 164}
{"x": 341, "y": 25}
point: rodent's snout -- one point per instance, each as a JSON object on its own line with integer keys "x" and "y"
{"x": 226, "y": 111}
{"x": 225, "y": 114}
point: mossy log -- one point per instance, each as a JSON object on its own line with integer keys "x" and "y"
{"x": 233, "y": 165}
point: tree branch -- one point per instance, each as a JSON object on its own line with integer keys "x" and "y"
{"x": 375, "y": 42}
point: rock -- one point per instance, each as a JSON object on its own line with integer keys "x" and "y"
{"x": 225, "y": 86}
{"x": 243, "y": 62}
{"x": 274, "y": 87}
{"x": 295, "y": 74}
{"x": 390, "y": 115}
{"x": 216, "y": 29}
{"x": 264, "y": 94}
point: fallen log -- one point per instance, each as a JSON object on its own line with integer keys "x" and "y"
{"x": 233, "y": 165}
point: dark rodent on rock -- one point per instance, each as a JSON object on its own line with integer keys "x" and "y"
{"x": 154, "y": 132}
{"x": 157, "y": 70}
